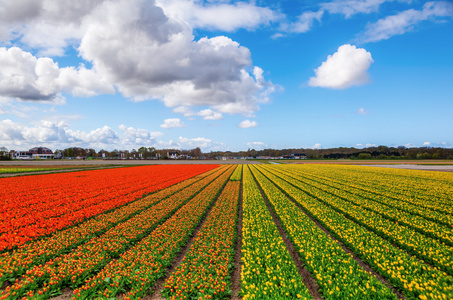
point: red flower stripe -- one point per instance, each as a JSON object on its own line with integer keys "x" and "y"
{"x": 15, "y": 263}
{"x": 204, "y": 270}
{"x": 140, "y": 267}
{"x": 73, "y": 267}
{"x": 34, "y": 206}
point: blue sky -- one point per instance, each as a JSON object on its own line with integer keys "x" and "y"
{"x": 225, "y": 75}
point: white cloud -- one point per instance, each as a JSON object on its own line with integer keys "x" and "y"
{"x": 426, "y": 143}
{"x": 410, "y": 145}
{"x": 317, "y": 146}
{"x": 359, "y": 145}
{"x": 209, "y": 114}
{"x": 219, "y": 16}
{"x": 25, "y": 77}
{"x": 345, "y": 68}
{"x": 406, "y": 21}
{"x": 362, "y": 111}
{"x": 55, "y": 135}
{"x": 130, "y": 136}
{"x": 160, "y": 60}
{"x": 247, "y": 124}
{"x": 186, "y": 143}
{"x": 47, "y": 25}
{"x": 303, "y": 24}
{"x": 256, "y": 145}
{"x": 370, "y": 145}
{"x": 136, "y": 48}
{"x": 349, "y": 8}
{"x": 172, "y": 123}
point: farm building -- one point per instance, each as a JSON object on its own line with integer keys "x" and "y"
{"x": 173, "y": 155}
{"x": 34, "y": 153}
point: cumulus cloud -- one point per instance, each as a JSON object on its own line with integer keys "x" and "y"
{"x": 25, "y": 77}
{"x": 220, "y": 16}
{"x": 131, "y": 136}
{"x": 160, "y": 60}
{"x": 172, "y": 123}
{"x": 186, "y": 143}
{"x": 247, "y": 124}
{"x": 370, "y": 145}
{"x": 47, "y": 25}
{"x": 317, "y": 146}
{"x": 143, "y": 50}
{"x": 345, "y": 68}
{"x": 209, "y": 114}
{"x": 426, "y": 143}
{"x": 59, "y": 135}
{"x": 406, "y": 21}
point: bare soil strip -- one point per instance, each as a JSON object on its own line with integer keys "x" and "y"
{"x": 236, "y": 276}
{"x": 364, "y": 265}
{"x": 309, "y": 282}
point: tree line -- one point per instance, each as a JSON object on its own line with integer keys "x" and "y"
{"x": 379, "y": 152}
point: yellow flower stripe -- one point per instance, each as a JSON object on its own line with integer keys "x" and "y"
{"x": 267, "y": 270}
{"x": 428, "y": 249}
{"x": 435, "y": 193}
{"x": 338, "y": 275}
{"x": 237, "y": 174}
{"x": 380, "y": 196}
{"x": 427, "y": 227}
{"x": 407, "y": 273}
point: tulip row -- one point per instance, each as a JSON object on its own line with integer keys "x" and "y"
{"x": 268, "y": 271}
{"x": 204, "y": 271}
{"x": 338, "y": 275}
{"x": 377, "y": 196}
{"x": 46, "y": 203}
{"x": 16, "y": 262}
{"x": 22, "y": 170}
{"x": 428, "y": 249}
{"x": 237, "y": 174}
{"x": 414, "y": 278}
{"x": 142, "y": 265}
{"x": 74, "y": 267}
{"x": 428, "y": 183}
{"x": 401, "y": 185}
{"x": 422, "y": 225}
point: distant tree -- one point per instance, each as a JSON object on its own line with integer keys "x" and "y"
{"x": 364, "y": 156}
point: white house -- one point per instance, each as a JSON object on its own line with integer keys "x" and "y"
{"x": 35, "y": 153}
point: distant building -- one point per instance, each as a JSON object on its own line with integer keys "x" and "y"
{"x": 34, "y": 153}
{"x": 173, "y": 155}
{"x": 299, "y": 155}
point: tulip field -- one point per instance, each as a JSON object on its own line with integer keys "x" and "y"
{"x": 212, "y": 231}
